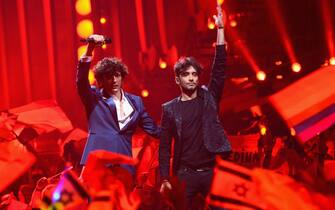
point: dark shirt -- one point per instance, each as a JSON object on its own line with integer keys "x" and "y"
{"x": 194, "y": 154}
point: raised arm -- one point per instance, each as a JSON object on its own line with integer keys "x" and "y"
{"x": 216, "y": 82}
{"x": 82, "y": 82}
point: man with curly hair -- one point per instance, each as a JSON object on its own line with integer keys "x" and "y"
{"x": 113, "y": 114}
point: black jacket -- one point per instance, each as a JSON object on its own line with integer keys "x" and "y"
{"x": 215, "y": 139}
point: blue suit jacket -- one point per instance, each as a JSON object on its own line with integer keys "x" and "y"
{"x": 103, "y": 128}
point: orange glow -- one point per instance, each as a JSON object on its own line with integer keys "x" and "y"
{"x": 219, "y": 2}
{"x": 81, "y": 50}
{"x": 162, "y": 64}
{"x": 91, "y": 77}
{"x": 262, "y": 130}
{"x": 233, "y": 23}
{"x": 210, "y": 24}
{"x": 278, "y": 17}
{"x": 104, "y": 46}
{"x": 279, "y": 76}
{"x": 293, "y": 133}
{"x": 296, "y": 67}
{"x": 145, "y": 93}
{"x": 332, "y": 61}
{"x": 83, "y": 7}
{"x": 278, "y": 63}
{"x": 103, "y": 20}
{"x": 261, "y": 76}
{"x": 85, "y": 28}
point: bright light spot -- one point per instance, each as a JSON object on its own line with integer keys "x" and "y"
{"x": 103, "y": 20}
{"x": 56, "y": 196}
{"x": 279, "y": 76}
{"x": 145, "y": 93}
{"x": 278, "y": 63}
{"x": 233, "y": 23}
{"x": 81, "y": 50}
{"x": 332, "y": 61}
{"x": 162, "y": 64}
{"x": 293, "y": 133}
{"x": 296, "y": 67}
{"x": 220, "y": 2}
{"x": 85, "y": 28}
{"x": 83, "y": 7}
{"x": 261, "y": 75}
{"x": 91, "y": 77}
{"x": 104, "y": 46}
{"x": 210, "y": 24}
{"x": 262, "y": 130}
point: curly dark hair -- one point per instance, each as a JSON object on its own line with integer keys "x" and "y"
{"x": 108, "y": 66}
{"x": 184, "y": 63}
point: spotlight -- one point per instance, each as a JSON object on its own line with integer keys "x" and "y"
{"x": 233, "y": 23}
{"x": 103, "y": 20}
{"x": 83, "y": 7}
{"x": 296, "y": 67}
{"x": 278, "y": 63}
{"x": 162, "y": 63}
{"x": 145, "y": 93}
{"x": 332, "y": 61}
{"x": 85, "y": 28}
{"x": 262, "y": 130}
{"x": 210, "y": 24}
{"x": 261, "y": 76}
{"x": 279, "y": 76}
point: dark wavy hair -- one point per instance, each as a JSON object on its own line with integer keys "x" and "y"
{"x": 108, "y": 66}
{"x": 184, "y": 63}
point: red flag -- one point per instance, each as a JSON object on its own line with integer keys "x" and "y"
{"x": 308, "y": 105}
{"x": 45, "y": 116}
{"x": 14, "y": 161}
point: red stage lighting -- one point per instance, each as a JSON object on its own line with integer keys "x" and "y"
{"x": 261, "y": 76}
{"x": 296, "y": 67}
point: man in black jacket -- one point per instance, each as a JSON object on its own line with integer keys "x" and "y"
{"x": 192, "y": 121}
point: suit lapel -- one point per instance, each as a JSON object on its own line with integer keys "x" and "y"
{"x": 135, "y": 113}
{"x": 178, "y": 118}
{"x": 112, "y": 108}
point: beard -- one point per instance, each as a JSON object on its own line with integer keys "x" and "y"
{"x": 189, "y": 90}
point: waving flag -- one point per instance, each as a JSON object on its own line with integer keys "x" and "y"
{"x": 308, "y": 105}
{"x": 233, "y": 188}
{"x": 45, "y": 116}
{"x": 69, "y": 193}
{"x": 14, "y": 161}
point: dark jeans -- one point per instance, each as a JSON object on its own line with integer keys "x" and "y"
{"x": 196, "y": 182}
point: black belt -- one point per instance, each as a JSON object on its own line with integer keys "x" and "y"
{"x": 201, "y": 169}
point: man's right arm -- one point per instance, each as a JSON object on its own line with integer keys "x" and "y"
{"x": 165, "y": 146}
{"x": 82, "y": 82}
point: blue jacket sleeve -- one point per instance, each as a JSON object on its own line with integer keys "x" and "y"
{"x": 147, "y": 123}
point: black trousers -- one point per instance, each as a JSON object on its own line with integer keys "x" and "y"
{"x": 196, "y": 182}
